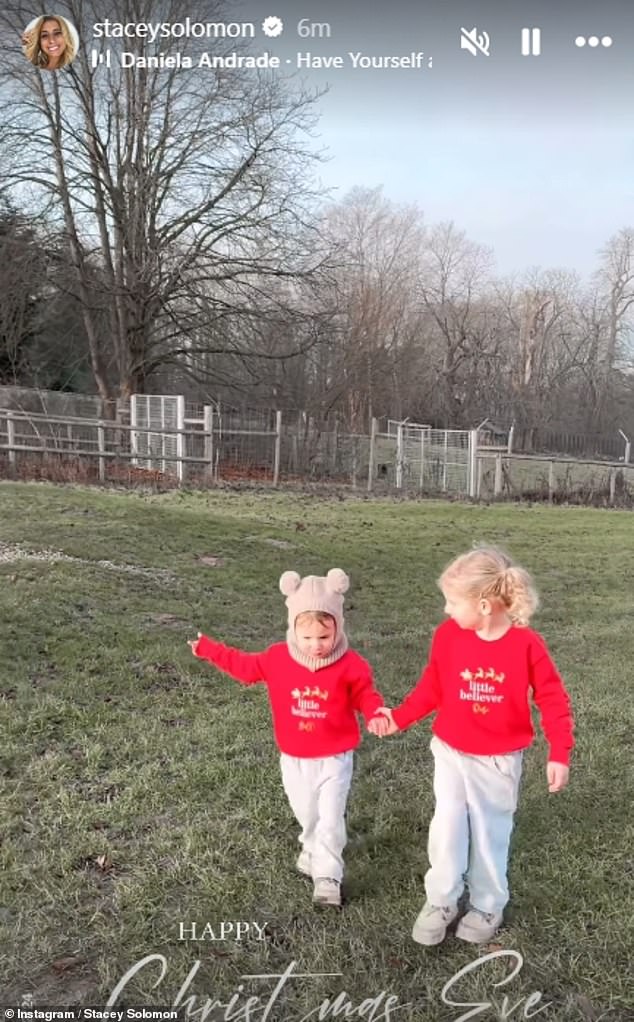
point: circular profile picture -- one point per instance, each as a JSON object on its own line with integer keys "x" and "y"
{"x": 50, "y": 42}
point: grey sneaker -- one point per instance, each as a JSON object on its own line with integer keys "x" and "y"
{"x": 303, "y": 864}
{"x": 432, "y": 922}
{"x": 327, "y": 892}
{"x": 478, "y": 927}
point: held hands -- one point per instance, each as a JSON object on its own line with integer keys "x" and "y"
{"x": 193, "y": 643}
{"x": 557, "y": 775}
{"x": 382, "y": 726}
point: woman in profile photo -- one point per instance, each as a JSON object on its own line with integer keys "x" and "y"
{"x": 50, "y": 42}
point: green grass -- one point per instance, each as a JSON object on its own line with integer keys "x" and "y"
{"x": 115, "y": 743}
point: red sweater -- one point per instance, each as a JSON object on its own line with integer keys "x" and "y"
{"x": 313, "y": 711}
{"x": 481, "y": 692}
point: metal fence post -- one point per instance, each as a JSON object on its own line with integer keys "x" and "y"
{"x": 628, "y": 448}
{"x": 208, "y": 427}
{"x": 399, "y": 457}
{"x": 335, "y": 449}
{"x": 421, "y": 480}
{"x": 551, "y": 481}
{"x": 180, "y": 440}
{"x": 101, "y": 445}
{"x": 497, "y": 485}
{"x": 473, "y": 463}
{"x": 371, "y": 459}
{"x": 11, "y": 442}
{"x": 134, "y": 436}
{"x": 278, "y": 446}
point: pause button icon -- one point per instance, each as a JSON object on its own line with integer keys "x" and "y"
{"x": 531, "y": 42}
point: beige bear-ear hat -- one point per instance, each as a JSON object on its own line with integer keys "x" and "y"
{"x": 316, "y": 593}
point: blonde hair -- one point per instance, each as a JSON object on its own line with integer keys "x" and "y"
{"x": 487, "y": 573}
{"x": 314, "y": 615}
{"x": 32, "y": 49}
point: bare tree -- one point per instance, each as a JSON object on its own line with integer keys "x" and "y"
{"x": 378, "y": 245}
{"x": 615, "y": 279}
{"x": 455, "y": 277}
{"x": 181, "y": 191}
{"x": 22, "y": 264}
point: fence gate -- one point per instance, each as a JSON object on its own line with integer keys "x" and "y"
{"x": 413, "y": 457}
{"x": 440, "y": 460}
{"x": 153, "y": 417}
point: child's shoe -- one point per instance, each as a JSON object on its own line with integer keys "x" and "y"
{"x": 303, "y": 864}
{"x": 327, "y": 892}
{"x": 478, "y": 927}
{"x": 432, "y": 922}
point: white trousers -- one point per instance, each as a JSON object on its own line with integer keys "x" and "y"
{"x": 470, "y": 832}
{"x": 317, "y": 790}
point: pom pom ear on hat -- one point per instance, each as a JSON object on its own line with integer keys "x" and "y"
{"x": 289, "y": 582}
{"x": 337, "y": 580}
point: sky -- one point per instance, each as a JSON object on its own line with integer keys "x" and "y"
{"x": 530, "y": 155}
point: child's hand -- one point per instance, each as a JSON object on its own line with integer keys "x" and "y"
{"x": 557, "y": 775}
{"x": 193, "y": 643}
{"x": 379, "y": 726}
{"x": 382, "y": 726}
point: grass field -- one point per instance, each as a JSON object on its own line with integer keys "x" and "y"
{"x": 140, "y": 788}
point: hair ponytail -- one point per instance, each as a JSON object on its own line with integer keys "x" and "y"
{"x": 488, "y": 573}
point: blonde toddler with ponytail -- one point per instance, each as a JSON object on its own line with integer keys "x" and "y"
{"x": 486, "y": 665}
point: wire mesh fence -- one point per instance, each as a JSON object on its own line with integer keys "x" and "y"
{"x": 554, "y": 480}
{"x": 581, "y": 446}
{"x": 51, "y": 402}
{"x": 167, "y": 441}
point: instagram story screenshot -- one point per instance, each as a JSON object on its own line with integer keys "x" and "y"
{"x": 316, "y": 496}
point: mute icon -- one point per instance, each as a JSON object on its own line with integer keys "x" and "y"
{"x": 475, "y": 41}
